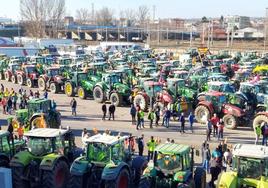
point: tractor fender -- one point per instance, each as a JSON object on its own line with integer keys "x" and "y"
{"x": 111, "y": 171}
{"x": 98, "y": 85}
{"x": 233, "y": 110}
{"x": 144, "y": 95}
{"x": 262, "y": 113}
{"x": 45, "y": 77}
{"x": 182, "y": 176}
{"x": 228, "y": 179}
{"x": 50, "y": 160}
{"x": 80, "y": 166}
{"x": 208, "y": 105}
{"x": 22, "y": 158}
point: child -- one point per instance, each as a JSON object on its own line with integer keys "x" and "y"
{"x": 21, "y": 132}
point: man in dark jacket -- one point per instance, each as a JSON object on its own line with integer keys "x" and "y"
{"x": 141, "y": 145}
{"x": 182, "y": 120}
{"x": 104, "y": 111}
{"x": 111, "y": 111}
{"x": 133, "y": 113}
{"x": 73, "y": 106}
{"x": 215, "y": 170}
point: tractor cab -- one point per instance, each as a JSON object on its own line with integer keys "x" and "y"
{"x": 52, "y": 72}
{"x": 249, "y": 168}
{"x": 112, "y": 79}
{"x": 12, "y": 67}
{"x": 224, "y": 87}
{"x": 173, "y": 84}
{"x": 217, "y": 99}
{"x": 152, "y": 88}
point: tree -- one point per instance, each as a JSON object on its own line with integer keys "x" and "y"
{"x": 204, "y": 19}
{"x": 83, "y": 16}
{"x": 42, "y": 17}
{"x": 129, "y": 15}
{"x": 143, "y": 14}
{"x": 104, "y": 17}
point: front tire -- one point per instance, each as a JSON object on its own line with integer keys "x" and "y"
{"x": 141, "y": 101}
{"x": 17, "y": 180}
{"x": 230, "y": 122}
{"x": 259, "y": 119}
{"x": 41, "y": 84}
{"x": 7, "y": 77}
{"x": 54, "y": 87}
{"x": 13, "y": 79}
{"x": 82, "y": 94}
{"x": 20, "y": 79}
{"x": 98, "y": 94}
{"x": 116, "y": 99}
{"x": 69, "y": 89}
{"x": 29, "y": 83}
{"x": 58, "y": 177}
{"x": 202, "y": 114}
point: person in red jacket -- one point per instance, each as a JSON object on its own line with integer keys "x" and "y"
{"x": 214, "y": 121}
{"x": 4, "y": 104}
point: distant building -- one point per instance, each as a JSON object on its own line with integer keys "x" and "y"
{"x": 238, "y": 22}
{"x": 248, "y": 33}
{"x": 68, "y": 20}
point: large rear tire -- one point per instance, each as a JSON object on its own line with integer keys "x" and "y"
{"x": 13, "y": 79}
{"x": 54, "y": 87}
{"x": 41, "y": 84}
{"x": 230, "y": 122}
{"x": 200, "y": 177}
{"x": 69, "y": 89}
{"x": 17, "y": 179}
{"x": 20, "y": 79}
{"x": 58, "y": 177}
{"x": 141, "y": 101}
{"x": 82, "y": 94}
{"x": 116, "y": 99}
{"x": 202, "y": 114}
{"x": 122, "y": 180}
{"x": 259, "y": 119}
{"x": 98, "y": 94}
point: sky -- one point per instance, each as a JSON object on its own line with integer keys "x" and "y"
{"x": 164, "y": 8}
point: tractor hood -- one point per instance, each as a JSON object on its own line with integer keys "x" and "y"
{"x": 89, "y": 85}
{"x": 80, "y": 166}
{"x": 95, "y": 78}
{"x": 228, "y": 179}
{"x": 233, "y": 110}
{"x": 122, "y": 88}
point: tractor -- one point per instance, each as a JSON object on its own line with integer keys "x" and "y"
{"x": 150, "y": 93}
{"x": 27, "y": 74}
{"x": 216, "y": 102}
{"x": 111, "y": 88}
{"x": 3, "y": 67}
{"x": 108, "y": 163}
{"x": 173, "y": 167}
{"x": 46, "y": 161}
{"x": 82, "y": 84}
{"x": 38, "y": 114}
{"x": 8, "y": 148}
{"x": 261, "y": 116}
{"x": 10, "y": 71}
{"x": 249, "y": 168}
{"x": 52, "y": 80}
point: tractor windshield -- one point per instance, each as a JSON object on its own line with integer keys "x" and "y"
{"x": 169, "y": 162}
{"x": 250, "y": 168}
{"x": 15, "y": 67}
{"x": 30, "y": 69}
{"x": 54, "y": 72}
{"x": 39, "y": 146}
{"x": 115, "y": 79}
{"x": 98, "y": 152}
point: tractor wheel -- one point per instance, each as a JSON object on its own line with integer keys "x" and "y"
{"x": 98, "y": 94}
{"x": 29, "y": 83}
{"x": 7, "y": 77}
{"x": 230, "y": 122}
{"x": 76, "y": 181}
{"x": 17, "y": 180}
{"x": 58, "y": 177}
{"x": 13, "y": 79}
{"x": 138, "y": 164}
{"x": 116, "y": 99}
{"x": 69, "y": 89}
{"x": 54, "y": 87}
{"x": 201, "y": 114}
{"x": 82, "y": 94}
{"x": 37, "y": 122}
{"x": 20, "y": 79}
{"x": 4, "y": 162}
{"x": 122, "y": 180}
{"x": 41, "y": 84}
{"x": 145, "y": 183}
{"x": 200, "y": 177}
{"x": 259, "y": 119}
{"x": 141, "y": 101}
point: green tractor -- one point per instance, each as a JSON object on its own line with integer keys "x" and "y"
{"x": 172, "y": 167}
{"x": 46, "y": 161}
{"x": 39, "y": 114}
{"x": 111, "y": 88}
{"x": 8, "y": 148}
{"x": 82, "y": 84}
{"x": 249, "y": 169}
{"x": 108, "y": 163}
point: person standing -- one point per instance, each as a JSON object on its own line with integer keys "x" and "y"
{"x": 191, "y": 121}
{"x": 20, "y": 131}
{"x": 257, "y": 134}
{"x": 209, "y": 129}
{"x": 151, "y": 118}
{"x": 167, "y": 118}
{"x": 14, "y": 101}
{"x": 142, "y": 118}
{"x": 220, "y": 126}
{"x": 111, "y": 111}
{"x": 182, "y": 121}
{"x": 141, "y": 145}
{"x": 151, "y": 146}
{"x": 138, "y": 120}
{"x": 214, "y": 121}
{"x": 157, "y": 115}
{"x": 4, "y": 104}
{"x": 73, "y": 106}
{"x": 215, "y": 170}
{"x": 264, "y": 133}
{"x": 104, "y": 111}
{"x": 10, "y": 129}
{"x": 133, "y": 113}
{"x": 131, "y": 143}
{"x": 206, "y": 157}
{"x": 45, "y": 94}
{"x": 9, "y": 105}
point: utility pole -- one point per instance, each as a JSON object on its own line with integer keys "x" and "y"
{"x": 191, "y": 35}
{"x": 93, "y": 13}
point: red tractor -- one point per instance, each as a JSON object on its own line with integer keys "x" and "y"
{"x": 150, "y": 93}
{"x": 52, "y": 80}
{"x": 27, "y": 74}
{"x": 216, "y": 102}
{"x": 10, "y": 72}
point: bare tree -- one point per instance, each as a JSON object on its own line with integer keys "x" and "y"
{"x": 129, "y": 15}
{"x": 104, "y": 16}
{"x": 83, "y": 16}
{"x": 42, "y": 17}
{"x": 143, "y": 14}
